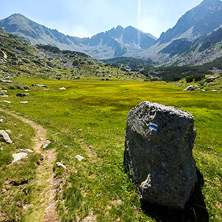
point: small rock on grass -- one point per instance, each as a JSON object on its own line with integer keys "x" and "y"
{"x": 189, "y": 88}
{"x": 46, "y": 144}
{"x": 41, "y": 85}
{"x": 19, "y": 156}
{"x": 1, "y": 120}
{"x": 24, "y": 102}
{"x": 59, "y": 164}
{"x": 26, "y": 150}
{"x": 5, "y": 101}
{"x": 21, "y": 94}
{"x": 5, "y": 137}
{"x": 80, "y": 158}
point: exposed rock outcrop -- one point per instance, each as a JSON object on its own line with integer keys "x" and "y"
{"x": 189, "y": 88}
{"x": 4, "y": 137}
{"x": 158, "y": 153}
{"x": 46, "y": 144}
{"x": 19, "y": 156}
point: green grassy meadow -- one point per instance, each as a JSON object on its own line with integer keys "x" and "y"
{"x": 88, "y": 118}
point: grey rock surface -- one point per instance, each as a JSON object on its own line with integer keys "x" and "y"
{"x": 19, "y": 156}
{"x": 5, "y": 137}
{"x": 21, "y": 94}
{"x": 211, "y": 79}
{"x": 46, "y": 144}
{"x": 41, "y": 85}
{"x": 158, "y": 154}
{"x": 59, "y": 164}
{"x": 189, "y": 88}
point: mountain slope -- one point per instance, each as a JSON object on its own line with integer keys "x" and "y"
{"x": 113, "y": 43}
{"x": 202, "y": 19}
{"x": 186, "y": 42}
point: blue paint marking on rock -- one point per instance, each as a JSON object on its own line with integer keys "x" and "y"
{"x": 153, "y": 126}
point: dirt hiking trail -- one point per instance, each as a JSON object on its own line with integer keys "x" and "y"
{"x": 44, "y": 211}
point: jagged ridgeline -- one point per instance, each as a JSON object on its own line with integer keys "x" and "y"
{"x": 18, "y": 58}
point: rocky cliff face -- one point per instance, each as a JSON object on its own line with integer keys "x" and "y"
{"x": 187, "y": 42}
{"x": 203, "y": 19}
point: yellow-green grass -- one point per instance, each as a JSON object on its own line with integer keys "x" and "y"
{"x": 89, "y": 117}
{"x": 16, "y": 179}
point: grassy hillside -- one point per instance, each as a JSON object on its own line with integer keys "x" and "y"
{"x": 88, "y": 118}
{"x": 20, "y": 59}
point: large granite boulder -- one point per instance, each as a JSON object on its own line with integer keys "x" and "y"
{"x": 158, "y": 153}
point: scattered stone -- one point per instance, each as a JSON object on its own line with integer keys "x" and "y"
{"x": 21, "y": 94}
{"x": 4, "y": 95}
{"x": 80, "y": 158}
{"x": 4, "y": 137}
{"x": 211, "y": 79}
{"x": 1, "y": 120}
{"x": 26, "y": 150}
{"x": 214, "y": 90}
{"x": 63, "y": 88}
{"x": 8, "y": 131}
{"x": 6, "y": 81}
{"x": 19, "y": 156}
{"x": 46, "y": 144}
{"x": 24, "y": 102}
{"x": 5, "y": 101}
{"x": 46, "y": 89}
{"x": 189, "y": 88}
{"x": 158, "y": 154}
{"x": 60, "y": 165}
{"x": 41, "y": 85}
{"x": 4, "y": 91}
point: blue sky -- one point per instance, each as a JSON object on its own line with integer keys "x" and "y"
{"x": 83, "y": 18}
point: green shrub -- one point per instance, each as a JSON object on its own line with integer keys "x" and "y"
{"x": 16, "y": 86}
{"x": 195, "y": 78}
{"x": 75, "y": 63}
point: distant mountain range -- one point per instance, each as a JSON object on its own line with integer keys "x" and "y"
{"x": 195, "y": 39}
{"x": 116, "y": 42}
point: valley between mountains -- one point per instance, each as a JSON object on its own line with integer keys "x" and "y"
{"x": 64, "y": 103}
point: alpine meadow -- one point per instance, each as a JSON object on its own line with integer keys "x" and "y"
{"x": 64, "y": 107}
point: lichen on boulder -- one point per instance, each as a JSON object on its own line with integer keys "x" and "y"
{"x": 158, "y": 154}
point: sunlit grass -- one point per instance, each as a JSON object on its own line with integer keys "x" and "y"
{"x": 88, "y": 119}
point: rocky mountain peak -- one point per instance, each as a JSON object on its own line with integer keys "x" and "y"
{"x": 202, "y": 19}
